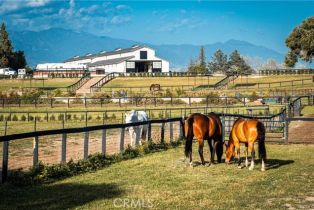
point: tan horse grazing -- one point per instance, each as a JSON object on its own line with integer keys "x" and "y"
{"x": 247, "y": 131}
{"x": 204, "y": 128}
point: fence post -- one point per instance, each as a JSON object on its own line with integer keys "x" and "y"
{"x": 103, "y": 142}
{"x": 171, "y": 131}
{"x": 86, "y": 139}
{"x": 63, "y": 147}
{"x": 223, "y": 127}
{"x": 35, "y": 150}
{"x": 5, "y": 157}
{"x": 286, "y": 130}
{"x": 162, "y": 133}
{"x": 149, "y": 132}
{"x": 182, "y": 128}
{"x": 122, "y": 139}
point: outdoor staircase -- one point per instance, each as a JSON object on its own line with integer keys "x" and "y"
{"x": 86, "y": 88}
{"x": 225, "y": 81}
{"x": 104, "y": 80}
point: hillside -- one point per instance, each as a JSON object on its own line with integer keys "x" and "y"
{"x": 56, "y": 45}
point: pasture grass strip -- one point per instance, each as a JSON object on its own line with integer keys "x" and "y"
{"x": 48, "y": 173}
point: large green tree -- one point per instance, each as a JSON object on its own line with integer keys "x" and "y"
{"x": 219, "y": 62}
{"x": 202, "y": 68}
{"x": 8, "y": 58}
{"x": 237, "y": 64}
{"x": 5, "y": 47}
{"x": 18, "y": 60}
{"x": 301, "y": 43}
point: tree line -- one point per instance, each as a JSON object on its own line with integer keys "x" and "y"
{"x": 8, "y": 57}
{"x": 219, "y": 63}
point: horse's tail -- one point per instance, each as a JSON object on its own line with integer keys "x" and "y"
{"x": 261, "y": 141}
{"x": 189, "y": 137}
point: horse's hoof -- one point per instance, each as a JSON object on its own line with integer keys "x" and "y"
{"x": 207, "y": 164}
{"x": 191, "y": 165}
{"x": 251, "y": 168}
{"x": 240, "y": 167}
{"x": 263, "y": 169}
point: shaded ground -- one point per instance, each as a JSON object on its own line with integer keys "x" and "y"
{"x": 162, "y": 181}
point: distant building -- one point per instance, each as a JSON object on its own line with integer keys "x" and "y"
{"x": 137, "y": 58}
{"x": 45, "y": 70}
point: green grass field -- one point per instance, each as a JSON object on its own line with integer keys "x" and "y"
{"x": 162, "y": 181}
{"x": 22, "y": 83}
{"x": 163, "y": 81}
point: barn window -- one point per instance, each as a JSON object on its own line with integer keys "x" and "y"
{"x": 143, "y": 54}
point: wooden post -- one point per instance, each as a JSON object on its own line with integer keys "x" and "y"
{"x": 103, "y": 142}
{"x": 149, "y": 132}
{"x": 122, "y": 139}
{"x": 5, "y": 156}
{"x": 171, "y": 131}
{"x": 63, "y": 148}
{"x": 86, "y": 139}
{"x": 162, "y": 133}
{"x": 286, "y": 130}
{"x": 35, "y": 150}
{"x": 182, "y": 128}
{"x": 68, "y": 102}
{"x": 51, "y": 102}
{"x": 223, "y": 127}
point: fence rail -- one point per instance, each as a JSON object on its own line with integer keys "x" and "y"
{"x": 102, "y": 101}
{"x": 79, "y": 83}
{"x": 275, "y": 124}
{"x": 287, "y": 83}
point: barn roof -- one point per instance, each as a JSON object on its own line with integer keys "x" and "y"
{"x": 110, "y": 61}
{"x": 103, "y": 53}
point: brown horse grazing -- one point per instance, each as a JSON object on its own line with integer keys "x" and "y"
{"x": 247, "y": 131}
{"x": 204, "y": 128}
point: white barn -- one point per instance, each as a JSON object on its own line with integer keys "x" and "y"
{"x": 137, "y": 58}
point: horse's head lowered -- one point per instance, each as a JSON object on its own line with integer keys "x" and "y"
{"x": 230, "y": 152}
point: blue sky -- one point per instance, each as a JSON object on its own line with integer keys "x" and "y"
{"x": 264, "y": 23}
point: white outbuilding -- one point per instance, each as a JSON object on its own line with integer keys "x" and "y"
{"x": 137, "y": 58}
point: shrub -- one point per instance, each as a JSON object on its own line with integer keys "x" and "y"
{"x": 52, "y": 118}
{"x": 31, "y": 118}
{"x": 75, "y": 117}
{"x": 90, "y": 117}
{"x": 60, "y": 117}
{"x": 113, "y": 116}
{"x": 14, "y": 118}
{"x": 1, "y": 118}
{"x": 98, "y": 117}
{"x": 68, "y": 116}
{"x": 23, "y": 118}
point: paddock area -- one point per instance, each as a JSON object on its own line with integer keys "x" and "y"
{"x": 163, "y": 181}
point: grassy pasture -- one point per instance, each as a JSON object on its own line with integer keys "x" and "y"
{"x": 272, "y": 78}
{"x": 163, "y": 81}
{"x": 22, "y": 83}
{"x": 163, "y": 181}
{"x": 17, "y": 125}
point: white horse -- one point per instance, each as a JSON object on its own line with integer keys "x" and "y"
{"x": 137, "y": 133}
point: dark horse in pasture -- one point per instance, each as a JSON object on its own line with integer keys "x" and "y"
{"x": 247, "y": 131}
{"x": 204, "y": 128}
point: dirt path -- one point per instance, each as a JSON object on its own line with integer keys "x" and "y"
{"x": 301, "y": 132}
{"x": 85, "y": 89}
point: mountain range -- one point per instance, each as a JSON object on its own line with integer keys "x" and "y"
{"x": 56, "y": 45}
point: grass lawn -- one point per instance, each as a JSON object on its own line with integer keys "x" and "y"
{"x": 163, "y": 181}
{"x": 308, "y": 110}
{"x": 20, "y": 83}
{"x": 163, "y": 81}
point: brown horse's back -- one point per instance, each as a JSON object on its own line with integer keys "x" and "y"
{"x": 200, "y": 124}
{"x": 245, "y": 130}
{"x": 215, "y": 126}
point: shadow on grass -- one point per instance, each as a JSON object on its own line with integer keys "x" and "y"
{"x": 276, "y": 163}
{"x": 55, "y": 196}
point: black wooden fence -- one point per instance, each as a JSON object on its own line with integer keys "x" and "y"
{"x": 276, "y": 125}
